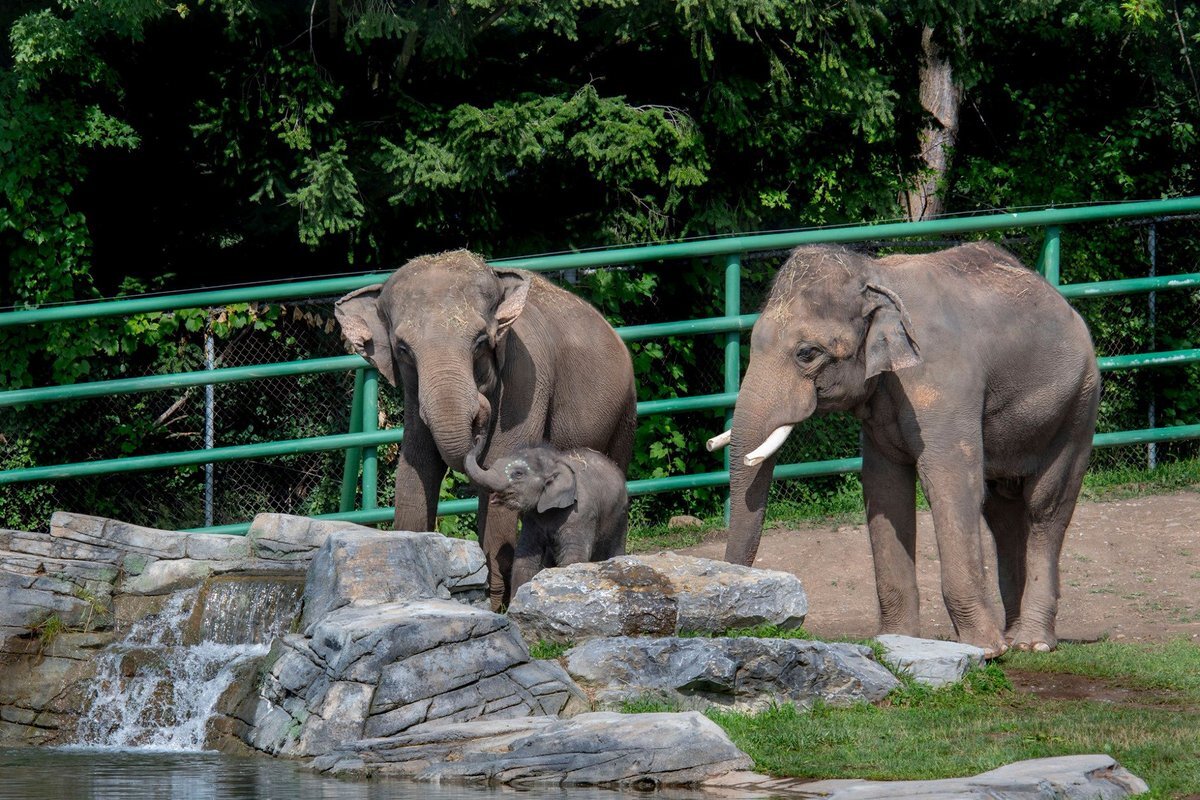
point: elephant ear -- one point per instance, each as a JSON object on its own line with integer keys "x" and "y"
{"x": 889, "y": 344}
{"x": 365, "y": 329}
{"x": 514, "y": 291}
{"x": 559, "y": 491}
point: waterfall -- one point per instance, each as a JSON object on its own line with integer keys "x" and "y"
{"x": 157, "y": 688}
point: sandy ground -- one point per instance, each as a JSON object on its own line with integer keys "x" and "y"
{"x": 1130, "y": 570}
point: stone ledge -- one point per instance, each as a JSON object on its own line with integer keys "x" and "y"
{"x": 636, "y": 751}
{"x": 1082, "y": 777}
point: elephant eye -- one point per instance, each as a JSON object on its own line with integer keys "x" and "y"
{"x": 807, "y": 353}
{"x": 517, "y": 474}
{"x": 403, "y": 350}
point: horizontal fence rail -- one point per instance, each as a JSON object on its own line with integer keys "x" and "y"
{"x": 362, "y": 441}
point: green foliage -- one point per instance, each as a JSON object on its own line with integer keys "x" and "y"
{"x": 146, "y": 145}
{"x": 549, "y": 650}
{"x": 648, "y": 705}
{"x": 764, "y": 631}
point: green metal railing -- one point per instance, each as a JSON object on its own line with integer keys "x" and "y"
{"x": 362, "y": 440}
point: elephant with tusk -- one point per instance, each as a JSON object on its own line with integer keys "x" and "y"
{"x": 492, "y": 351}
{"x": 971, "y": 374}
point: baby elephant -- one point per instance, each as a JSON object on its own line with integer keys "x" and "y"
{"x": 573, "y": 505}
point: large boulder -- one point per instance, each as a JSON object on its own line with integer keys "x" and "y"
{"x": 638, "y": 751}
{"x": 359, "y": 566}
{"x": 380, "y": 670}
{"x": 746, "y": 674}
{"x": 654, "y": 595}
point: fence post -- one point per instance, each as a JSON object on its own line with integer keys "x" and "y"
{"x": 1152, "y": 307}
{"x": 353, "y": 454}
{"x": 370, "y": 424}
{"x": 733, "y": 346}
{"x": 1048, "y": 260}
{"x": 209, "y": 418}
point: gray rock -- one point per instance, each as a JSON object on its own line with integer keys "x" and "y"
{"x": 640, "y": 751}
{"x": 215, "y": 547}
{"x": 284, "y": 537}
{"x": 101, "y": 532}
{"x": 1083, "y": 777}
{"x": 366, "y": 567}
{"x": 380, "y": 670}
{"x": 657, "y": 595}
{"x": 685, "y": 521}
{"x": 746, "y": 674}
{"x": 931, "y": 662}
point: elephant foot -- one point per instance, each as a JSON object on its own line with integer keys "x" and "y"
{"x": 1034, "y": 642}
{"x": 993, "y": 646}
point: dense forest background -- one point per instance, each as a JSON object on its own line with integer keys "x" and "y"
{"x": 147, "y": 145}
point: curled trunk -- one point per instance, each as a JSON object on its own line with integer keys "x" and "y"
{"x": 491, "y": 479}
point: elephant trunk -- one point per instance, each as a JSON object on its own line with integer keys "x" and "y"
{"x": 451, "y": 408}
{"x": 766, "y": 410}
{"x": 491, "y": 479}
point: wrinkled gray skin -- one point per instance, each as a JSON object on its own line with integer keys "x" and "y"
{"x": 498, "y": 351}
{"x": 574, "y": 506}
{"x": 968, "y": 372}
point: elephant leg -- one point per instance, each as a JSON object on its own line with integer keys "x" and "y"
{"x": 1050, "y": 497}
{"x": 953, "y": 481}
{"x": 419, "y": 474}
{"x": 1008, "y": 520}
{"x": 890, "y": 493}
{"x": 497, "y": 527}
{"x": 529, "y": 558}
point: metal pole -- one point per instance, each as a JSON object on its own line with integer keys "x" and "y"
{"x": 733, "y": 346}
{"x": 1152, "y": 447}
{"x": 1048, "y": 260}
{"x": 209, "y": 434}
{"x": 353, "y": 454}
{"x": 370, "y": 424}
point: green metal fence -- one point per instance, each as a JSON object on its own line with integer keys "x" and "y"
{"x": 361, "y": 442}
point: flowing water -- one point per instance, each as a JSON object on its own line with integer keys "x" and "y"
{"x": 143, "y": 734}
{"x": 158, "y": 687}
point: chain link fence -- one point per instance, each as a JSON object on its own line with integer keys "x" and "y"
{"x": 313, "y": 405}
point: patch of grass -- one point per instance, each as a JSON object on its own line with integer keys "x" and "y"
{"x": 652, "y": 538}
{"x": 48, "y": 630}
{"x": 765, "y": 631}
{"x": 1126, "y": 482}
{"x": 648, "y": 705}
{"x": 981, "y": 724}
{"x": 549, "y": 650}
{"x": 1173, "y": 665}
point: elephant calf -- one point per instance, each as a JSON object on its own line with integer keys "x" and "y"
{"x": 573, "y": 505}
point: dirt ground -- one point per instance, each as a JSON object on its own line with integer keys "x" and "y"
{"x": 1130, "y": 570}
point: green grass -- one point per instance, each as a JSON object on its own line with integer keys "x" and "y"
{"x": 549, "y": 650}
{"x": 981, "y": 724}
{"x": 765, "y": 631}
{"x": 1124, "y": 482}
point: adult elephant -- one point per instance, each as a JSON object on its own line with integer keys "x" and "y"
{"x": 502, "y": 351}
{"x": 969, "y": 372}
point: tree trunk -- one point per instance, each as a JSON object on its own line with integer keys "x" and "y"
{"x": 941, "y": 97}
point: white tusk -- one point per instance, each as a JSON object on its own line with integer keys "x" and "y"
{"x": 718, "y": 441}
{"x": 768, "y": 448}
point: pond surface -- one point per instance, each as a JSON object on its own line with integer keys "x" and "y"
{"x": 50, "y": 773}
